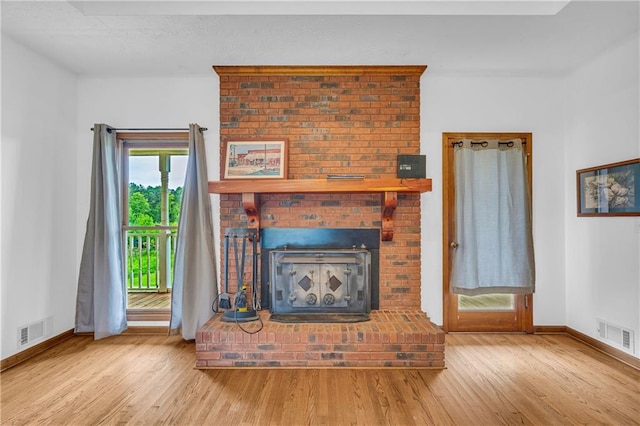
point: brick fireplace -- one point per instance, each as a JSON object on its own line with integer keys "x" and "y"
{"x": 343, "y": 120}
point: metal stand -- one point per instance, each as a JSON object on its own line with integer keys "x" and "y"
{"x": 241, "y": 310}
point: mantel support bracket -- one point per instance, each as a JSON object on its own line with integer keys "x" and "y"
{"x": 251, "y": 206}
{"x": 389, "y": 204}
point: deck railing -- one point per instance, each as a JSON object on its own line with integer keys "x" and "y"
{"x": 150, "y": 257}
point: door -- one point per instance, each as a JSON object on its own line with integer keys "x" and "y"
{"x": 154, "y": 171}
{"x": 484, "y": 313}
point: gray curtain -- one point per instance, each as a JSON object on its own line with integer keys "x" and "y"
{"x": 493, "y": 220}
{"x": 101, "y": 305}
{"x": 195, "y": 283}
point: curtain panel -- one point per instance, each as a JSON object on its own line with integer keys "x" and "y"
{"x": 493, "y": 220}
{"x": 195, "y": 283}
{"x": 101, "y": 304}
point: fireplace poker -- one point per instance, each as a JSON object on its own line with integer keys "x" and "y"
{"x": 225, "y": 299}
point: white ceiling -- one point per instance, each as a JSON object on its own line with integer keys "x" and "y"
{"x": 160, "y": 38}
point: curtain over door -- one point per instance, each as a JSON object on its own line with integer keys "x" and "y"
{"x": 494, "y": 243}
{"x": 101, "y": 305}
{"x": 195, "y": 280}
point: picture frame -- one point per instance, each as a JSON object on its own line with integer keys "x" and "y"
{"x": 263, "y": 158}
{"x": 609, "y": 190}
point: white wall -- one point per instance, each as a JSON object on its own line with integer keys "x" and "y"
{"x": 39, "y": 268}
{"x": 602, "y": 253}
{"x": 145, "y": 103}
{"x": 498, "y": 104}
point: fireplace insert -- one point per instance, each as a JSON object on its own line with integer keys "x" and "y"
{"x": 320, "y": 281}
{"x": 325, "y": 271}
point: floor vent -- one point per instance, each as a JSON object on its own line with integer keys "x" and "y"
{"x": 616, "y": 335}
{"x": 34, "y": 332}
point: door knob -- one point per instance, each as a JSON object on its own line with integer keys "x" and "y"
{"x": 453, "y": 245}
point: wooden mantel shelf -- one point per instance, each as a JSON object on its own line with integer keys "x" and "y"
{"x": 306, "y": 186}
{"x": 387, "y": 187}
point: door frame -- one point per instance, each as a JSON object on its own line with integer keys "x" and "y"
{"x": 523, "y": 303}
{"x": 153, "y": 140}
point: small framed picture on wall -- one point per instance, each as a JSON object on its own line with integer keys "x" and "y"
{"x": 609, "y": 190}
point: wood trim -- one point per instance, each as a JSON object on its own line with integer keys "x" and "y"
{"x": 604, "y": 348}
{"x": 291, "y": 70}
{"x": 24, "y": 355}
{"x": 389, "y": 205}
{"x": 148, "y": 314}
{"x": 159, "y": 136}
{"x": 590, "y": 341}
{"x": 550, "y": 329}
{"x": 306, "y": 186}
{"x": 251, "y": 206}
{"x": 448, "y": 225}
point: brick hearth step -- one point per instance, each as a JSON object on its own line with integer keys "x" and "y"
{"x": 389, "y": 339}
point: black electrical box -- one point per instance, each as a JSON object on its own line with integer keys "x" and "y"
{"x": 412, "y": 166}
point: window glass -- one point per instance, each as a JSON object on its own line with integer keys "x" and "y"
{"x": 155, "y": 178}
{"x": 145, "y": 189}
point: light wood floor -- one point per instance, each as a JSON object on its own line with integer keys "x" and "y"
{"x": 149, "y": 300}
{"x": 490, "y": 380}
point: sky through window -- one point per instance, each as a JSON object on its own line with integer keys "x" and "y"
{"x": 143, "y": 170}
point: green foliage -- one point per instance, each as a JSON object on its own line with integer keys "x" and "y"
{"x": 145, "y": 205}
{"x": 139, "y": 208}
{"x": 175, "y": 202}
{"x": 144, "y": 210}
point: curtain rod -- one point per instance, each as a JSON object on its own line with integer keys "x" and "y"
{"x": 485, "y": 143}
{"x": 202, "y": 129}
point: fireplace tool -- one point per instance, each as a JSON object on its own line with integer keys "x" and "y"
{"x": 242, "y": 309}
{"x": 224, "y": 301}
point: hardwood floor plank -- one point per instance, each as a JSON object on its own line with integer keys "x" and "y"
{"x": 149, "y": 300}
{"x": 489, "y": 380}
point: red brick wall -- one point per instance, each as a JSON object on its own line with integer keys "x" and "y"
{"x": 338, "y": 120}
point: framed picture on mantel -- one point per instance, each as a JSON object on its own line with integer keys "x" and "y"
{"x": 255, "y": 159}
{"x": 610, "y": 189}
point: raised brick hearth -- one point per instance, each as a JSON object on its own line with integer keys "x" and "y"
{"x": 390, "y": 339}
